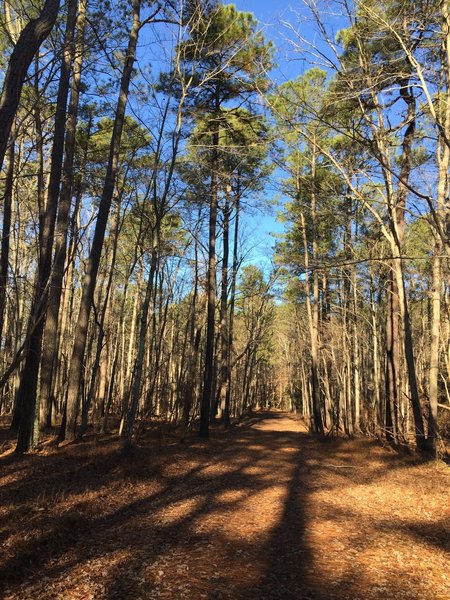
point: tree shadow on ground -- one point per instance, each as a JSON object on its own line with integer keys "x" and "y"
{"x": 222, "y": 520}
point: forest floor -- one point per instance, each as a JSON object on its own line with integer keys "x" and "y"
{"x": 265, "y": 511}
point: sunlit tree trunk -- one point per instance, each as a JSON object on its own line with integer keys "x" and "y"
{"x": 443, "y": 158}
{"x": 140, "y": 357}
{"x": 234, "y": 271}
{"x": 26, "y": 396}
{"x": 224, "y": 335}
{"x": 208, "y": 379}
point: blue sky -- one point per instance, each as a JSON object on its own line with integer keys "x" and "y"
{"x": 279, "y": 20}
{"x": 271, "y": 16}
{"x": 265, "y": 11}
{"x": 258, "y": 227}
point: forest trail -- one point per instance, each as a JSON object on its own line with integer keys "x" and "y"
{"x": 263, "y": 512}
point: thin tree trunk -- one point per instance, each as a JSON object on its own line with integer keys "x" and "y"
{"x": 442, "y": 197}
{"x": 89, "y": 283}
{"x": 6, "y": 230}
{"x": 112, "y": 379}
{"x": 194, "y": 342}
{"x": 313, "y": 311}
{"x": 139, "y": 364}
{"x": 26, "y": 396}
{"x": 399, "y": 220}
{"x": 208, "y": 378}
{"x": 375, "y": 403}
{"x": 50, "y": 348}
{"x": 234, "y": 270}
{"x": 101, "y": 324}
{"x": 224, "y": 336}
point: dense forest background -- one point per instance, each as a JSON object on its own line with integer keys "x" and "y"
{"x": 138, "y": 140}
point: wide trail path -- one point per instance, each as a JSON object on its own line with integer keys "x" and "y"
{"x": 264, "y": 512}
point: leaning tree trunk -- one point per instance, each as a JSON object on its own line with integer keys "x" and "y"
{"x": 90, "y": 280}
{"x": 50, "y": 348}
{"x": 26, "y": 395}
{"x": 21, "y": 408}
{"x": 32, "y": 36}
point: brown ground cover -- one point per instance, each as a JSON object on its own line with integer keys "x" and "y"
{"x": 265, "y": 511}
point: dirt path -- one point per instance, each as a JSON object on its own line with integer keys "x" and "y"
{"x": 265, "y": 512}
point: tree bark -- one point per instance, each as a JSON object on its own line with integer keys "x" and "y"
{"x": 6, "y": 231}
{"x": 443, "y": 159}
{"x": 90, "y": 279}
{"x": 50, "y": 348}
{"x": 26, "y": 396}
{"x": 139, "y": 364}
{"x": 31, "y": 37}
{"x": 234, "y": 271}
{"x": 208, "y": 377}
{"x": 224, "y": 336}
